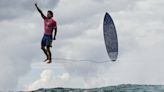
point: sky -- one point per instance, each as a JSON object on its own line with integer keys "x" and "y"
{"x": 139, "y": 25}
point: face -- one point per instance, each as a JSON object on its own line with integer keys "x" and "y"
{"x": 49, "y": 15}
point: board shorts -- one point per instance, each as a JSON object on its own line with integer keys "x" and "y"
{"x": 46, "y": 41}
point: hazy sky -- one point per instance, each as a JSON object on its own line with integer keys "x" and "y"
{"x": 139, "y": 25}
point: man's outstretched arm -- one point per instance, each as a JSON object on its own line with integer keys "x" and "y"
{"x": 40, "y": 11}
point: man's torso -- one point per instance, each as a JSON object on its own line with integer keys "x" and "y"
{"x": 49, "y": 25}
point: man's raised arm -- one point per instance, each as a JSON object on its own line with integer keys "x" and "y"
{"x": 43, "y": 16}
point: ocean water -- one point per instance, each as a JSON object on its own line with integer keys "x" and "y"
{"x": 119, "y": 88}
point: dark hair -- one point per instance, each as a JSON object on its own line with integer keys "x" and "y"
{"x": 50, "y": 12}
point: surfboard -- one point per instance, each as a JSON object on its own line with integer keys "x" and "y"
{"x": 110, "y": 37}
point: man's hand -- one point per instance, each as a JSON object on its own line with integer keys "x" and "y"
{"x": 36, "y": 5}
{"x": 54, "y": 38}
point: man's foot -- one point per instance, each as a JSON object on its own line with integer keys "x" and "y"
{"x": 49, "y": 61}
{"x": 45, "y": 59}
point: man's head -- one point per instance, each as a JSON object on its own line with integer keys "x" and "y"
{"x": 49, "y": 14}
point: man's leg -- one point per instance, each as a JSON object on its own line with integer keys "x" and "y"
{"x": 49, "y": 55}
{"x": 45, "y": 52}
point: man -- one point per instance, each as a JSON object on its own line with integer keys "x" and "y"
{"x": 49, "y": 26}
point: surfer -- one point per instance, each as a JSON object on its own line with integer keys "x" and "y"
{"x": 49, "y": 25}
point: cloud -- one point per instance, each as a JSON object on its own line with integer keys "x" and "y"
{"x": 9, "y": 73}
{"x": 15, "y": 53}
{"x": 49, "y": 80}
{"x": 141, "y": 45}
{"x": 15, "y": 9}
{"x": 18, "y": 38}
{"x": 139, "y": 27}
